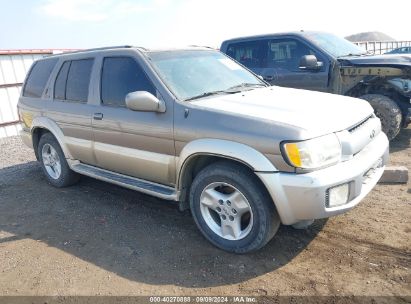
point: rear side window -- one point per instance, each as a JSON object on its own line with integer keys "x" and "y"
{"x": 73, "y": 80}
{"x": 39, "y": 75}
{"x": 120, "y": 76}
{"x": 249, "y": 53}
{"x": 78, "y": 80}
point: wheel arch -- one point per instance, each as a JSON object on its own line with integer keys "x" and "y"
{"x": 43, "y": 125}
{"x": 36, "y": 134}
{"x": 200, "y": 153}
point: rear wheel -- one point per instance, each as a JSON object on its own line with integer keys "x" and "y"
{"x": 54, "y": 163}
{"x": 232, "y": 209}
{"x": 387, "y": 111}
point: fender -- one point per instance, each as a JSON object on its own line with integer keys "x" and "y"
{"x": 50, "y": 125}
{"x": 225, "y": 148}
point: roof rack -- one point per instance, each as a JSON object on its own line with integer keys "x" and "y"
{"x": 103, "y": 48}
{"x": 202, "y": 46}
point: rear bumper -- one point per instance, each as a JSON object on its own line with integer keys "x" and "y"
{"x": 303, "y": 196}
{"x": 25, "y": 136}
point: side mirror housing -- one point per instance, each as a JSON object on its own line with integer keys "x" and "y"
{"x": 310, "y": 62}
{"x": 145, "y": 102}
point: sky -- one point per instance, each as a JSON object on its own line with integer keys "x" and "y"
{"x": 44, "y": 24}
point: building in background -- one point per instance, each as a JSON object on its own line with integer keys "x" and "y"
{"x": 14, "y": 65}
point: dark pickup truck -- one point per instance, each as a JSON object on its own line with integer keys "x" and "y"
{"x": 325, "y": 62}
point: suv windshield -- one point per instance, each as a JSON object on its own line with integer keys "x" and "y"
{"x": 192, "y": 74}
{"x": 334, "y": 45}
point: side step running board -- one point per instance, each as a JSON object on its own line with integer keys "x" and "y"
{"x": 129, "y": 182}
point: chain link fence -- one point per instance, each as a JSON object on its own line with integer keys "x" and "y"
{"x": 381, "y": 47}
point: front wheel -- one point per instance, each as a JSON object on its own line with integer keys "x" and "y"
{"x": 387, "y": 111}
{"x": 232, "y": 209}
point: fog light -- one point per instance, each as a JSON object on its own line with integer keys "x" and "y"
{"x": 338, "y": 195}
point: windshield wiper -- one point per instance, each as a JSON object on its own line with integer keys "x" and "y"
{"x": 246, "y": 85}
{"x": 210, "y": 94}
{"x": 231, "y": 90}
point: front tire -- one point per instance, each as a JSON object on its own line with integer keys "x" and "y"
{"x": 387, "y": 111}
{"x": 53, "y": 162}
{"x": 232, "y": 209}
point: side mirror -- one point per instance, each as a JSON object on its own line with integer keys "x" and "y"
{"x": 145, "y": 102}
{"x": 310, "y": 62}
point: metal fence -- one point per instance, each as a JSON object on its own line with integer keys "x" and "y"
{"x": 381, "y": 47}
{"x": 14, "y": 65}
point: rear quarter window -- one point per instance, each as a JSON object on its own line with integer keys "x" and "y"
{"x": 73, "y": 80}
{"x": 38, "y": 77}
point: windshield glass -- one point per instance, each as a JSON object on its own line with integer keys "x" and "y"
{"x": 191, "y": 74}
{"x": 334, "y": 45}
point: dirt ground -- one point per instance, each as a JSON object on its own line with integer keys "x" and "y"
{"x": 95, "y": 238}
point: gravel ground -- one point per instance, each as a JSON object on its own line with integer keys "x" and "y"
{"x": 95, "y": 238}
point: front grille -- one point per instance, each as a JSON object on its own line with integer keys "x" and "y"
{"x": 356, "y": 138}
{"x": 360, "y": 125}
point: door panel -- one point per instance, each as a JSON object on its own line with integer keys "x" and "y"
{"x": 138, "y": 144}
{"x": 69, "y": 108}
{"x": 134, "y": 143}
{"x": 75, "y": 122}
{"x": 308, "y": 80}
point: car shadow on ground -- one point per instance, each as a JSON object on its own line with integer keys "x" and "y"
{"x": 402, "y": 141}
{"x": 136, "y": 236}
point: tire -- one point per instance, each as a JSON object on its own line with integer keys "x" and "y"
{"x": 232, "y": 209}
{"x": 53, "y": 162}
{"x": 387, "y": 111}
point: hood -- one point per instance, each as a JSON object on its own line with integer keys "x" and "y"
{"x": 391, "y": 60}
{"x": 313, "y": 113}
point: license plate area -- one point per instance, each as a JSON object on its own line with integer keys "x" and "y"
{"x": 370, "y": 172}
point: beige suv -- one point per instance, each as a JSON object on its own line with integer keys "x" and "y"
{"x": 194, "y": 126}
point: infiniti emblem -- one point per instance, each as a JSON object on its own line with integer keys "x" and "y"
{"x": 372, "y": 134}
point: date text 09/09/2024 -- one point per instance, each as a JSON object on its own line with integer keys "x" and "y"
{"x": 205, "y": 299}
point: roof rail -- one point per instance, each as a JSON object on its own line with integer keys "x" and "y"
{"x": 202, "y": 46}
{"x": 101, "y": 49}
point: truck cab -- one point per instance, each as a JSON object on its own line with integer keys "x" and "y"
{"x": 327, "y": 63}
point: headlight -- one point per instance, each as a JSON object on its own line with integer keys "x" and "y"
{"x": 314, "y": 153}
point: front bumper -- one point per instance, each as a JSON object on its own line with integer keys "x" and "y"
{"x": 406, "y": 119}
{"x": 303, "y": 196}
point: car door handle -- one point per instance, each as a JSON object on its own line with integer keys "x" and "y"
{"x": 268, "y": 78}
{"x": 98, "y": 116}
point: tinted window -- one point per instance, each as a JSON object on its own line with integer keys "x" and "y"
{"x": 78, "y": 80}
{"x": 37, "y": 80}
{"x": 120, "y": 76}
{"x": 248, "y": 53}
{"x": 286, "y": 54}
{"x": 60, "y": 85}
